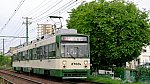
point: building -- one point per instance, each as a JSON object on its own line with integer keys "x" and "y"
{"x": 10, "y": 51}
{"x": 44, "y": 29}
{"x": 142, "y": 60}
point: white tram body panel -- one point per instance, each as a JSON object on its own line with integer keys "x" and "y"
{"x": 54, "y": 64}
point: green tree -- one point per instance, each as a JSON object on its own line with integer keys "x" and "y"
{"x": 5, "y": 61}
{"x": 118, "y": 30}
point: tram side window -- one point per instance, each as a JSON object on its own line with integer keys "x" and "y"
{"x": 21, "y": 55}
{"x": 34, "y": 54}
{"x": 52, "y": 50}
{"x": 17, "y": 57}
{"x": 30, "y": 53}
{"x": 42, "y": 54}
{"x": 38, "y": 53}
{"x": 46, "y": 51}
{"x": 54, "y": 47}
{"x": 49, "y": 51}
{"x": 25, "y": 55}
{"x": 14, "y": 57}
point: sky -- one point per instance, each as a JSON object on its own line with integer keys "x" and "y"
{"x": 13, "y": 11}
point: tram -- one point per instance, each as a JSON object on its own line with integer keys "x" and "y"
{"x": 65, "y": 54}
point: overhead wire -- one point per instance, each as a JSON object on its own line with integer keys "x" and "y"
{"x": 22, "y": 24}
{"x": 16, "y": 34}
{"x": 48, "y": 9}
{"x": 69, "y": 8}
{"x": 60, "y": 9}
{"x": 56, "y": 11}
{"x": 35, "y": 10}
{"x": 16, "y": 10}
{"x": 19, "y": 27}
{"x": 64, "y": 6}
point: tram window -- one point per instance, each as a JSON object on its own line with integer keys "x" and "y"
{"x": 14, "y": 57}
{"x": 20, "y": 56}
{"x": 34, "y": 54}
{"x": 17, "y": 57}
{"x": 49, "y": 51}
{"x": 52, "y": 50}
{"x": 54, "y": 47}
{"x": 27, "y": 55}
{"x": 23, "y": 56}
{"x": 30, "y": 54}
{"x": 46, "y": 51}
{"x": 42, "y": 50}
{"x": 72, "y": 50}
{"x": 38, "y": 53}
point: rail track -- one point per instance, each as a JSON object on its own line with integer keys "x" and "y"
{"x": 16, "y": 79}
{"x": 25, "y": 78}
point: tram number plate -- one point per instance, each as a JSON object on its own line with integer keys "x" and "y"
{"x": 75, "y": 63}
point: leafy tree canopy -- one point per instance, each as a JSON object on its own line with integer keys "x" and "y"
{"x": 118, "y": 30}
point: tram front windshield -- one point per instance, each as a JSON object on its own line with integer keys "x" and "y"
{"x": 74, "y": 50}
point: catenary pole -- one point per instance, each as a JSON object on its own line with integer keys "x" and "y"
{"x": 27, "y": 23}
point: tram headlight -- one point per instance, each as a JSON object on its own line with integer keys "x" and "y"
{"x": 85, "y": 62}
{"x": 64, "y": 62}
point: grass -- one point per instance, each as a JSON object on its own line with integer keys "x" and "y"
{"x": 108, "y": 80}
{"x": 5, "y": 67}
{"x": 104, "y": 80}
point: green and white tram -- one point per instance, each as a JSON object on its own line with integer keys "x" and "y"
{"x": 65, "y": 54}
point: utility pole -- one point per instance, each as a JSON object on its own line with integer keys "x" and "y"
{"x": 3, "y": 44}
{"x": 3, "y": 47}
{"x": 27, "y": 23}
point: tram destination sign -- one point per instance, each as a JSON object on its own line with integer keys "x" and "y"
{"x": 73, "y": 38}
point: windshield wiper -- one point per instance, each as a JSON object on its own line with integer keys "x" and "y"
{"x": 71, "y": 55}
{"x": 77, "y": 51}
